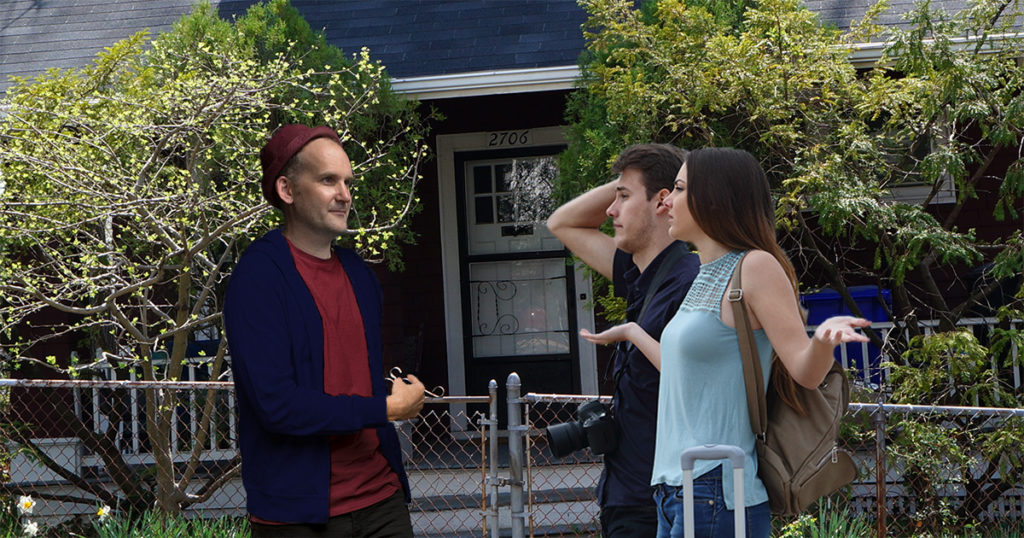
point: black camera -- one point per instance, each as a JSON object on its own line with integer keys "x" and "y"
{"x": 594, "y": 427}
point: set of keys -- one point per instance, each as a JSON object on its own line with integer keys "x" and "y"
{"x": 396, "y": 373}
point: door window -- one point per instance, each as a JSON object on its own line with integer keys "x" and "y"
{"x": 519, "y": 308}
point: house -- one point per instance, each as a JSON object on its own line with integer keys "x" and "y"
{"x": 487, "y": 292}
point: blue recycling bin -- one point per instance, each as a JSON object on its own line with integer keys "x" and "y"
{"x": 828, "y": 302}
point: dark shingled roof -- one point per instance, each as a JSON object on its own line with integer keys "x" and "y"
{"x": 410, "y": 37}
{"x": 440, "y": 37}
{"x": 36, "y": 35}
{"x": 842, "y": 13}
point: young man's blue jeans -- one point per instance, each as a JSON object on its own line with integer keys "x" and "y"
{"x": 711, "y": 518}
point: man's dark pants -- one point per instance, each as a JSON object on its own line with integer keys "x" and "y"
{"x": 629, "y": 521}
{"x": 386, "y": 519}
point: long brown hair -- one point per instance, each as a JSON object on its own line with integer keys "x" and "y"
{"x": 730, "y": 199}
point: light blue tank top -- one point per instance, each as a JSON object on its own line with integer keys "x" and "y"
{"x": 702, "y": 399}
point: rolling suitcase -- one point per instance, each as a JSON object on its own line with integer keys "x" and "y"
{"x": 714, "y": 452}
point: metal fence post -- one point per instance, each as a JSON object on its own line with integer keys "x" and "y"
{"x": 516, "y": 429}
{"x": 492, "y": 479}
{"x": 879, "y": 420}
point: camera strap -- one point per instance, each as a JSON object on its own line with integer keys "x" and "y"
{"x": 676, "y": 250}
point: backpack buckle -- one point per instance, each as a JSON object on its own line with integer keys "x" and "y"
{"x": 735, "y": 295}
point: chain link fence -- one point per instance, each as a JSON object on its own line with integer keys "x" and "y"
{"x": 562, "y": 491}
{"x": 130, "y": 445}
{"x": 942, "y": 471}
{"x": 76, "y": 445}
{"x": 447, "y": 451}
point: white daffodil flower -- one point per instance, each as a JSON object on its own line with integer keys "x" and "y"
{"x": 103, "y": 512}
{"x": 31, "y": 528}
{"x": 25, "y": 504}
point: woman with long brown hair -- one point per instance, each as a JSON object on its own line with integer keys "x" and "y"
{"x": 722, "y": 205}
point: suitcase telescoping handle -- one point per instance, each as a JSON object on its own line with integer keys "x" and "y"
{"x": 714, "y": 452}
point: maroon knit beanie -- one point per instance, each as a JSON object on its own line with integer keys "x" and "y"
{"x": 283, "y": 145}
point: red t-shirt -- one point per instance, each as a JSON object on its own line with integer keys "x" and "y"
{"x": 360, "y": 475}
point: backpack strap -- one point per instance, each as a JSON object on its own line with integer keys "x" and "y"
{"x": 753, "y": 376}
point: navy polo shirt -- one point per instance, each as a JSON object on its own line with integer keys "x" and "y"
{"x": 625, "y": 480}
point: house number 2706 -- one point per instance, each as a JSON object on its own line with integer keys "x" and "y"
{"x": 509, "y": 138}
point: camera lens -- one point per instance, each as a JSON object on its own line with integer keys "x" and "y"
{"x": 594, "y": 427}
{"x": 565, "y": 438}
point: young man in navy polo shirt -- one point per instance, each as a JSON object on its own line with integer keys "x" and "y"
{"x": 631, "y": 259}
{"x": 303, "y": 317}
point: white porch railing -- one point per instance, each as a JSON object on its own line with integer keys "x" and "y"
{"x": 131, "y": 404}
{"x": 867, "y": 359}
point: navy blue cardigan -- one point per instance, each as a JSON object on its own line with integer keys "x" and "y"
{"x": 285, "y": 418}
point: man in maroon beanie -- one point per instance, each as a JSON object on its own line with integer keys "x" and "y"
{"x": 320, "y": 456}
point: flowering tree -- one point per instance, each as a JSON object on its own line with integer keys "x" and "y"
{"x": 130, "y": 186}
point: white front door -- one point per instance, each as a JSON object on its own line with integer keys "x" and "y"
{"x": 513, "y": 303}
